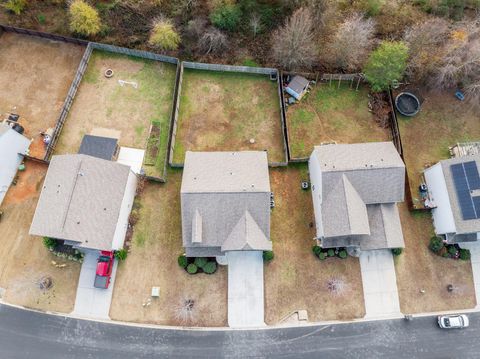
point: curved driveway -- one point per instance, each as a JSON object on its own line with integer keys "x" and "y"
{"x": 26, "y": 334}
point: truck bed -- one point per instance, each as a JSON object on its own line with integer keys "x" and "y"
{"x": 100, "y": 282}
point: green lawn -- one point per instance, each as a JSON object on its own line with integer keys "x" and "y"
{"x": 329, "y": 113}
{"x": 223, "y": 111}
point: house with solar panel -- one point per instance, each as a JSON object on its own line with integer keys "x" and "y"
{"x": 454, "y": 187}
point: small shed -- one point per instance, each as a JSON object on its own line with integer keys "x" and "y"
{"x": 298, "y": 87}
{"x": 105, "y": 148}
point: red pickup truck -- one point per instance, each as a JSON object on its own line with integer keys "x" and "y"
{"x": 104, "y": 269}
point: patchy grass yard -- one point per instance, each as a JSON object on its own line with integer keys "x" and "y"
{"x": 442, "y": 122}
{"x": 419, "y": 268}
{"x": 23, "y": 258}
{"x": 36, "y": 74}
{"x": 156, "y": 244}
{"x": 102, "y": 103}
{"x": 329, "y": 113}
{"x": 222, "y": 111}
{"x": 295, "y": 279}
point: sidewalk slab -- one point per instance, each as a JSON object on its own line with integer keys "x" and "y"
{"x": 474, "y": 248}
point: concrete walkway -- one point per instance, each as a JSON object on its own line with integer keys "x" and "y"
{"x": 474, "y": 248}
{"x": 379, "y": 284}
{"x": 93, "y": 302}
{"x": 245, "y": 289}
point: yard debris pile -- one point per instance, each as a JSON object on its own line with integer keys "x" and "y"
{"x": 379, "y": 106}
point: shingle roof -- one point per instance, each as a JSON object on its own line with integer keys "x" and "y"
{"x": 100, "y": 147}
{"x": 219, "y": 201}
{"x": 80, "y": 200}
{"x": 298, "y": 84}
{"x": 462, "y": 226}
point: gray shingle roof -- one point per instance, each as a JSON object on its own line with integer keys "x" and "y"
{"x": 217, "y": 190}
{"x": 462, "y": 226}
{"x": 80, "y": 200}
{"x": 100, "y": 147}
{"x": 298, "y": 84}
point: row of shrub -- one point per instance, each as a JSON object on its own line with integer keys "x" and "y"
{"x": 439, "y": 246}
{"x": 52, "y": 245}
{"x": 194, "y": 265}
{"x": 324, "y": 253}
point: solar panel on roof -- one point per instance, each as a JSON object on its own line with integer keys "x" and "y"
{"x": 476, "y": 204}
{"x": 473, "y": 178}
{"x": 463, "y": 192}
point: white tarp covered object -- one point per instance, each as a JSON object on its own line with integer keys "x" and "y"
{"x": 12, "y": 148}
{"x": 132, "y": 157}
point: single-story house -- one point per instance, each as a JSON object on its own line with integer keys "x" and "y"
{"x": 225, "y": 200}
{"x": 13, "y": 147}
{"x": 355, "y": 189}
{"x": 297, "y": 87}
{"x": 454, "y": 188}
{"x": 100, "y": 147}
{"x": 85, "y": 201}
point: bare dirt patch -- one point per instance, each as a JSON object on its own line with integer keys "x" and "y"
{"x": 152, "y": 261}
{"x": 442, "y": 122}
{"x": 36, "y": 75}
{"x": 103, "y": 103}
{"x": 418, "y": 269}
{"x": 295, "y": 279}
{"x": 330, "y": 114}
{"x": 221, "y": 111}
{"x": 24, "y": 261}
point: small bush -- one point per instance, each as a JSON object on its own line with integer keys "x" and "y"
{"x": 163, "y": 35}
{"x": 436, "y": 244}
{"x": 331, "y": 252}
{"x": 210, "y": 267}
{"x": 226, "y": 17}
{"x": 182, "y": 261}
{"x": 452, "y": 250}
{"x": 200, "y": 262}
{"x": 322, "y": 256}
{"x": 49, "y": 242}
{"x": 316, "y": 250}
{"x": 342, "y": 254}
{"x": 267, "y": 256}
{"x": 464, "y": 254}
{"x": 84, "y": 19}
{"x": 15, "y": 6}
{"x": 41, "y": 19}
{"x": 397, "y": 251}
{"x": 121, "y": 254}
{"x": 192, "y": 268}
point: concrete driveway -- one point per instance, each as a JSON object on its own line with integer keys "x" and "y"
{"x": 245, "y": 289}
{"x": 379, "y": 284}
{"x": 93, "y": 302}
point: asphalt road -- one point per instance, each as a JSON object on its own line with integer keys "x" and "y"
{"x": 25, "y": 334}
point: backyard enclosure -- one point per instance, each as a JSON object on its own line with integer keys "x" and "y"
{"x": 228, "y": 110}
{"x": 332, "y": 112}
{"x": 36, "y": 74}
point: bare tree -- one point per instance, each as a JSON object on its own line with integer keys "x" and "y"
{"x": 293, "y": 44}
{"x": 336, "y": 286}
{"x": 213, "y": 41}
{"x": 425, "y": 41}
{"x": 196, "y": 27}
{"x": 185, "y": 311}
{"x": 352, "y": 43}
{"x": 255, "y": 24}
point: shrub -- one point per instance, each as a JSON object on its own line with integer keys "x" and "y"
{"x": 15, "y": 6}
{"x": 41, "y": 19}
{"x": 322, "y": 256}
{"x": 397, "y": 251}
{"x": 200, "y": 262}
{"x": 386, "y": 65}
{"x": 121, "y": 254}
{"x": 464, "y": 254}
{"x": 163, "y": 35}
{"x": 316, "y": 250}
{"x": 342, "y": 254}
{"x": 267, "y": 256}
{"x": 210, "y": 267}
{"x": 192, "y": 268}
{"x": 84, "y": 19}
{"x": 331, "y": 252}
{"x": 452, "y": 250}
{"x": 226, "y": 17}
{"x": 49, "y": 242}
{"x": 436, "y": 244}
{"x": 182, "y": 261}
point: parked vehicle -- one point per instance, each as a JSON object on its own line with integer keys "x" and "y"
{"x": 453, "y": 321}
{"x": 104, "y": 269}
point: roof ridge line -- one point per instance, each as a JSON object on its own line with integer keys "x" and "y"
{"x": 71, "y": 194}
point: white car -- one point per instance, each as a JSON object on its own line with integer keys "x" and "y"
{"x": 453, "y": 321}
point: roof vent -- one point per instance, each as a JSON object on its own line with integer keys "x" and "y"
{"x": 81, "y": 174}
